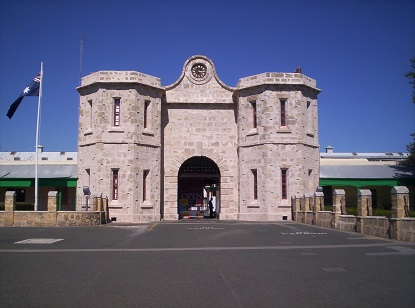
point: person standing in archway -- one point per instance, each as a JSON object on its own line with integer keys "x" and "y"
{"x": 211, "y": 215}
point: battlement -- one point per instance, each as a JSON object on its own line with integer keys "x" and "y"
{"x": 120, "y": 77}
{"x": 277, "y": 79}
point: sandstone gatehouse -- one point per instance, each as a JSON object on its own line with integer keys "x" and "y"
{"x": 163, "y": 152}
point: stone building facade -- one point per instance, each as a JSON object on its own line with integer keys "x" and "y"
{"x": 162, "y": 152}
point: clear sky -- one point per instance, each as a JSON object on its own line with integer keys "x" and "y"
{"x": 357, "y": 50}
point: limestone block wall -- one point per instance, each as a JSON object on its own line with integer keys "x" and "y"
{"x": 50, "y": 218}
{"x": 268, "y": 144}
{"x": 268, "y": 160}
{"x": 400, "y": 227}
{"x": 198, "y": 115}
{"x": 199, "y": 119}
{"x": 96, "y": 115}
{"x": 74, "y": 219}
{"x": 131, "y": 148}
{"x": 277, "y": 78}
{"x": 206, "y": 90}
{"x": 208, "y": 130}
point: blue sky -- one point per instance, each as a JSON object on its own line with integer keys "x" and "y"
{"x": 358, "y": 51}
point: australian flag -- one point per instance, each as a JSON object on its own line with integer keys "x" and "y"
{"x": 31, "y": 90}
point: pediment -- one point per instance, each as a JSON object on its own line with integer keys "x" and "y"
{"x": 199, "y": 83}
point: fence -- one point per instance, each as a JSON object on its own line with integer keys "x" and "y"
{"x": 92, "y": 202}
{"x": 51, "y": 216}
{"x": 309, "y": 209}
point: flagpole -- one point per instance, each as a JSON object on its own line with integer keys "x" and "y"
{"x": 37, "y": 140}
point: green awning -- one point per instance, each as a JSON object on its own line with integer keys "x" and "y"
{"x": 56, "y": 182}
{"x": 367, "y": 182}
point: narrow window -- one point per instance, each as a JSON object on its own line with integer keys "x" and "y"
{"x": 90, "y": 114}
{"x": 254, "y": 115}
{"x": 115, "y": 184}
{"x": 310, "y": 129}
{"x": 116, "y": 112}
{"x": 146, "y": 109}
{"x": 282, "y": 112}
{"x": 255, "y": 177}
{"x": 284, "y": 183}
{"x": 145, "y": 175}
{"x": 88, "y": 176}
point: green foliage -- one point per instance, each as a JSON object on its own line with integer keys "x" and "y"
{"x": 411, "y": 76}
{"x": 24, "y": 206}
{"x": 351, "y": 210}
{"x": 20, "y": 206}
{"x": 411, "y": 147}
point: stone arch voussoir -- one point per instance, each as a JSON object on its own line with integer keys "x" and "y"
{"x": 211, "y": 154}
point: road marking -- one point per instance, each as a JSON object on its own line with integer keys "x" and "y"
{"x": 303, "y": 233}
{"x": 195, "y": 248}
{"x": 401, "y": 250}
{"x": 334, "y": 269}
{"x": 40, "y": 241}
{"x": 152, "y": 227}
{"x": 205, "y": 228}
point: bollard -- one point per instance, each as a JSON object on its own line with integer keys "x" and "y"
{"x": 339, "y": 197}
{"x": 52, "y": 201}
{"x": 400, "y": 201}
{"x": 364, "y": 202}
{"x": 9, "y": 207}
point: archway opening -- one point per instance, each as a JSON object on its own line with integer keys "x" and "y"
{"x": 198, "y": 189}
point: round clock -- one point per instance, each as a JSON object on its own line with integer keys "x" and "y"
{"x": 199, "y": 70}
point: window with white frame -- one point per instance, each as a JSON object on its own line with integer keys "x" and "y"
{"x": 117, "y": 111}
{"x": 283, "y": 114}
{"x": 145, "y": 184}
{"x": 115, "y": 184}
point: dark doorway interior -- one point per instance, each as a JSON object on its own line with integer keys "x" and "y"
{"x": 198, "y": 187}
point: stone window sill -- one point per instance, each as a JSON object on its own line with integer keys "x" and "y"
{"x": 148, "y": 132}
{"x": 146, "y": 205}
{"x": 114, "y": 204}
{"x": 115, "y": 130}
{"x": 284, "y": 130}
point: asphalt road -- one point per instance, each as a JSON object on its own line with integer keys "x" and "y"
{"x": 203, "y": 264}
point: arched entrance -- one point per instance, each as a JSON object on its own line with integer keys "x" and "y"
{"x": 198, "y": 185}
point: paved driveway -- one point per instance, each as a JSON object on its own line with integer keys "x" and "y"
{"x": 203, "y": 264}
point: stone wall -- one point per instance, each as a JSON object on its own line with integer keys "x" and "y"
{"x": 273, "y": 146}
{"x": 131, "y": 148}
{"x": 198, "y": 116}
{"x": 9, "y": 217}
{"x": 399, "y": 227}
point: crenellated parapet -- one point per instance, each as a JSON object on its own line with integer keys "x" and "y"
{"x": 400, "y": 226}
{"x": 277, "y": 79}
{"x": 113, "y": 77}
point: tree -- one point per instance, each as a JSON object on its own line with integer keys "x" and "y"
{"x": 411, "y": 76}
{"x": 411, "y": 147}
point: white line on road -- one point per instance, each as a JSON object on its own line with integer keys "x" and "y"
{"x": 388, "y": 245}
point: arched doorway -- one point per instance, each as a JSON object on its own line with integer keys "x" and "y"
{"x": 198, "y": 184}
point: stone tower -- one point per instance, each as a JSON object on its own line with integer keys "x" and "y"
{"x": 162, "y": 152}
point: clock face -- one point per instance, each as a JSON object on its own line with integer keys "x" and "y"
{"x": 199, "y": 70}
